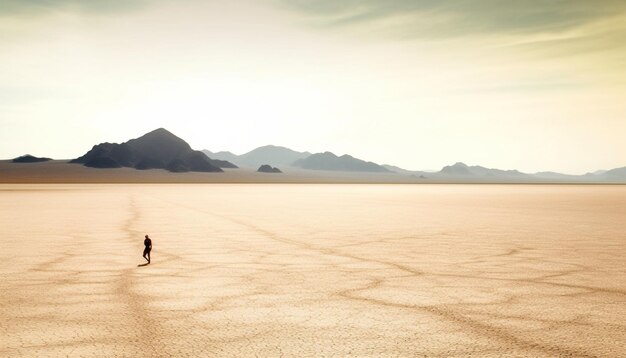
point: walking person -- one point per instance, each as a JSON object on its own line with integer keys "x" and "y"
{"x": 148, "y": 247}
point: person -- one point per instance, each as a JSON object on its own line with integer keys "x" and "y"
{"x": 148, "y": 247}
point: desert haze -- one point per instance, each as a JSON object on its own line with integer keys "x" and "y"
{"x": 313, "y": 270}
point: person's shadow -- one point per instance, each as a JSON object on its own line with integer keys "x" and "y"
{"x": 142, "y": 265}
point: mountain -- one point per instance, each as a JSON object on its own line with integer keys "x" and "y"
{"x": 329, "y": 161}
{"x": 222, "y": 156}
{"x": 272, "y": 155}
{"x": 617, "y": 174}
{"x": 162, "y": 149}
{"x": 269, "y": 154}
{"x": 27, "y": 158}
{"x": 458, "y": 169}
{"x": 416, "y": 173}
{"x": 463, "y": 170}
{"x": 158, "y": 149}
{"x": 268, "y": 169}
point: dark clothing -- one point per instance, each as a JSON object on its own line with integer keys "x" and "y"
{"x": 146, "y": 251}
{"x": 148, "y": 244}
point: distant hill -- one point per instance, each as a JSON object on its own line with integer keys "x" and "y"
{"x": 222, "y": 156}
{"x": 463, "y": 170}
{"x": 329, "y": 161}
{"x": 27, "y": 158}
{"x": 158, "y": 149}
{"x": 457, "y": 169}
{"x": 556, "y": 176}
{"x": 268, "y": 169}
{"x": 272, "y": 155}
{"x": 617, "y": 174}
{"x": 415, "y": 173}
{"x": 269, "y": 154}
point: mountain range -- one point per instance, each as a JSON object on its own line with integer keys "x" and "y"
{"x": 282, "y": 157}
{"x": 160, "y": 149}
{"x": 458, "y": 172}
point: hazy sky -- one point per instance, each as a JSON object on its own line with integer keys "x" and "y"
{"x": 527, "y": 84}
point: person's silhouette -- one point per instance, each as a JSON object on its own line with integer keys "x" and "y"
{"x": 148, "y": 247}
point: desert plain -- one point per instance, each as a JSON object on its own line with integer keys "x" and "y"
{"x": 299, "y": 270}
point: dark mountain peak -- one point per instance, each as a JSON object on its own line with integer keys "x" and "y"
{"x": 27, "y": 158}
{"x": 160, "y": 130}
{"x": 460, "y": 165}
{"x": 265, "y": 168}
{"x": 159, "y": 149}
{"x": 157, "y": 132}
{"x": 160, "y": 140}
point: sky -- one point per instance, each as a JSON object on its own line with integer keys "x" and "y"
{"x": 533, "y": 85}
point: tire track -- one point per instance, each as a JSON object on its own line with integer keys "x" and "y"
{"x": 148, "y": 332}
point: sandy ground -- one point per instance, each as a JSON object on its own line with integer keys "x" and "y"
{"x": 313, "y": 270}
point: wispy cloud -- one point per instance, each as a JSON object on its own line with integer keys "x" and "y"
{"x": 465, "y": 17}
{"x": 589, "y": 33}
{"x": 40, "y": 7}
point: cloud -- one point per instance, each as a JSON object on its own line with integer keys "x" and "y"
{"x": 428, "y": 18}
{"x": 42, "y": 7}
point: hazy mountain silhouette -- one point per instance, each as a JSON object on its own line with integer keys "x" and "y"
{"x": 158, "y": 149}
{"x": 161, "y": 149}
{"x": 396, "y": 169}
{"x": 460, "y": 169}
{"x": 329, "y": 161}
{"x": 27, "y": 158}
{"x": 460, "y": 172}
{"x": 456, "y": 169}
{"x": 268, "y": 169}
{"x": 617, "y": 174}
{"x": 269, "y": 154}
{"x": 224, "y": 157}
{"x": 557, "y": 176}
{"x": 272, "y": 155}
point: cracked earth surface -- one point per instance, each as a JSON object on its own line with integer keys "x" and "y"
{"x": 313, "y": 270}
